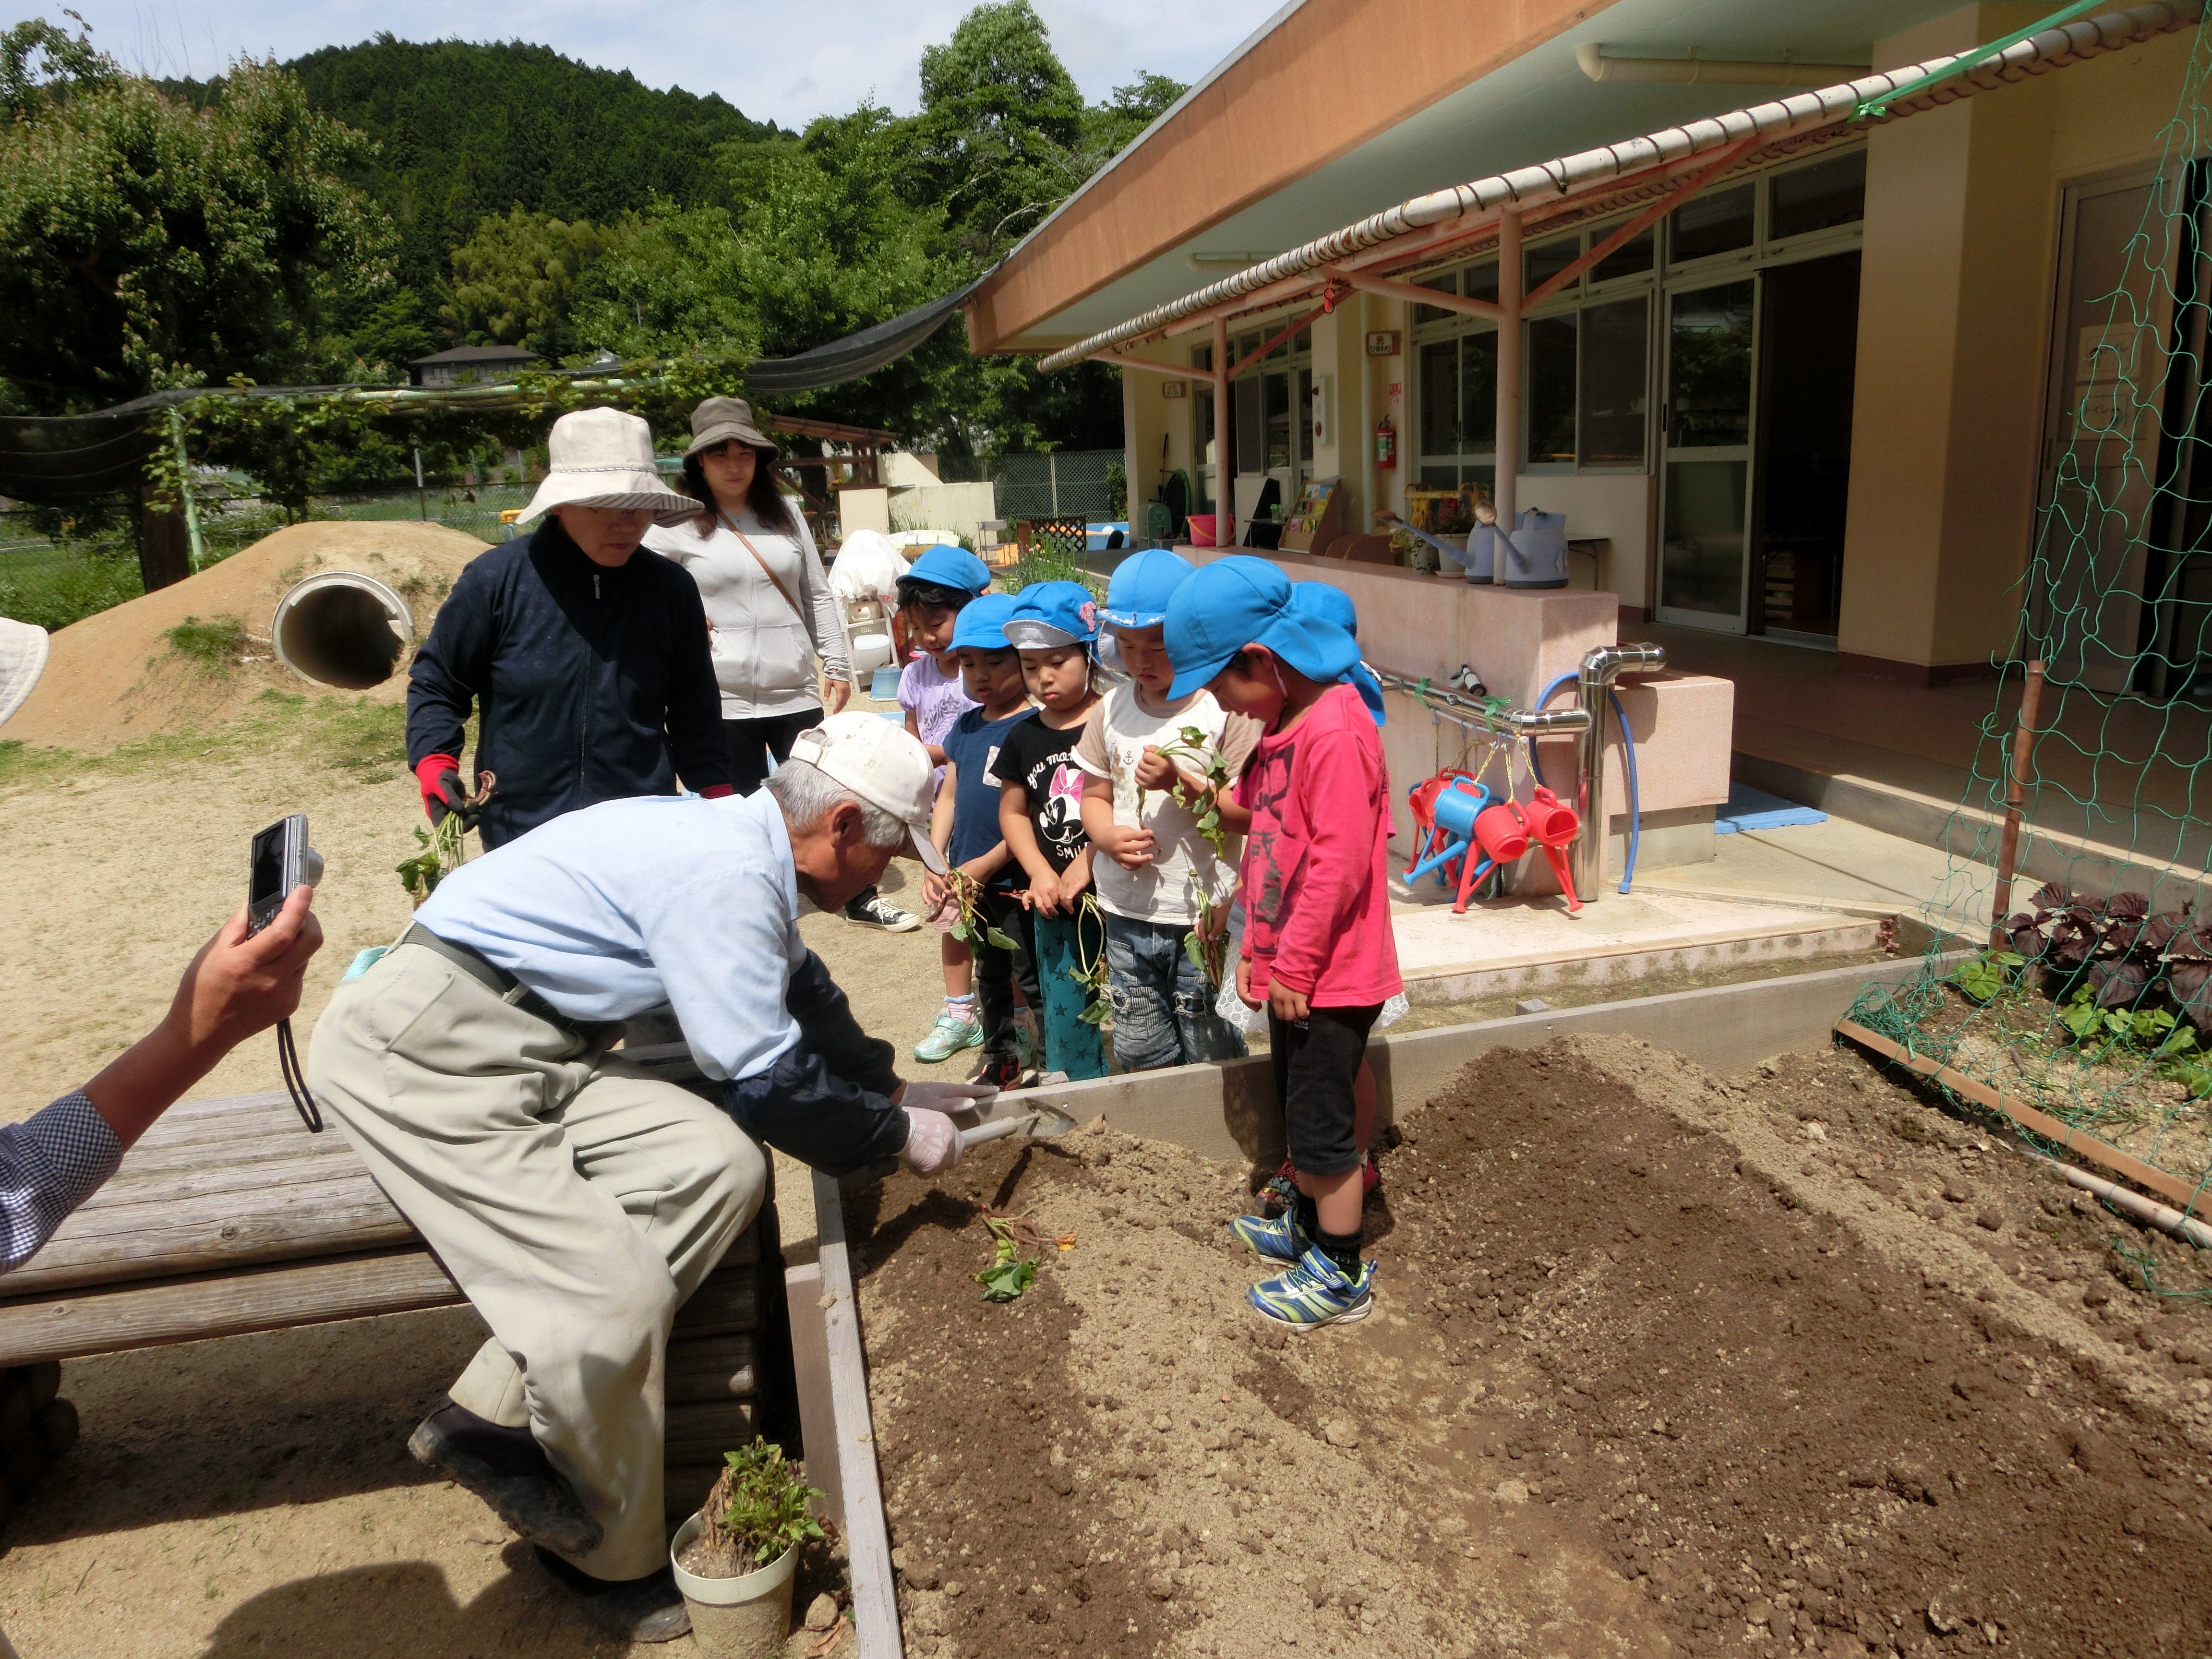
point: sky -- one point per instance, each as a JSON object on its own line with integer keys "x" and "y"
{"x": 774, "y": 60}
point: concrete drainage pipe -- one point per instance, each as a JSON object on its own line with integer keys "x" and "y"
{"x": 339, "y": 628}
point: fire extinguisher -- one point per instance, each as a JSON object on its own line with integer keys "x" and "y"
{"x": 1386, "y": 445}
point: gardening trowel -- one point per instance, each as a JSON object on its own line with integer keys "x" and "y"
{"x": 1045, "y": 1123}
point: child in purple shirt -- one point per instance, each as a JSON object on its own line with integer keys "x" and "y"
{"x": 930, "y": 595}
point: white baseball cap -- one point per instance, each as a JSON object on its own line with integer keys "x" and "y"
{"x": 883, "y": 764}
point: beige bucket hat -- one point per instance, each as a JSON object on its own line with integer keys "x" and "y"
{"x": 720, "y": 421}
{"x": 604, "y": 457}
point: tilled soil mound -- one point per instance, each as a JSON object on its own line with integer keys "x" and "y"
{"x": 112, "y": 677}
{"x": 1659, "y": 1364}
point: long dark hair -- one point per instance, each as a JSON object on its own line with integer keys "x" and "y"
{"x": 762, "y": 496}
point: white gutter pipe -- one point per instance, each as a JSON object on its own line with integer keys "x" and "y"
{"x": 2147, "y": 1211}
{"x": 1590, "y": 59}
{"x": 2047, "y": 48}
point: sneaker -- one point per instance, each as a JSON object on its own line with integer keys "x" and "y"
{"x": 647, "y": 1609}
{"x": 1278, "y": 1238}
{"x": 1005, "y": 1071}
{"x": 874, "y": 911}
{"x": 1316, "y": 1292}
{"x": 949, "y": 1037}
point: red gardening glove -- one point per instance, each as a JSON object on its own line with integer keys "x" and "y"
{"x": 716, "y": 791}
{"x": 439, "y": 778}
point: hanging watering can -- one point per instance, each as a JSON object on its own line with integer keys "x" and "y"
{"x": 1553, "y": 825}
{"x": 1453, "y": 804}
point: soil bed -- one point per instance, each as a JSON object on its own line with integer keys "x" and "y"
{"x": 1660, "y": 1363}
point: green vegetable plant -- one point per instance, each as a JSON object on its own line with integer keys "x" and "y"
{"x": 970, "y": 925}
{"x": 758, "y": 1510}
{"x": 1207, "y": 944}
{"x": 1988, "y": 974}
{"x": 1090, "y": 972}
{"x": 1011, "y": 1273}
{"x": 440, "y": 849}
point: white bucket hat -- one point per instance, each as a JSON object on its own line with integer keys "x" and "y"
{"x": 22, "y": 660}
{"x": 604, "y": 457}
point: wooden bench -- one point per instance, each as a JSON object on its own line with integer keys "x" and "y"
{"x": 229, "y": 1218}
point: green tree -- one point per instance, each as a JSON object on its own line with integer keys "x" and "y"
{"x": 1001, "y": 126}
{"x": 514, "y": 279}
{"x": 145, "y": 242}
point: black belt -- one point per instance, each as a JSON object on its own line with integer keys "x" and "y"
{"x": 494, "y": 978}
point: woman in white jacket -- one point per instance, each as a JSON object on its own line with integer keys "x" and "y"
{"x": 770, "y": 615}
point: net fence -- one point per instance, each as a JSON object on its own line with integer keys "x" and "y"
{"x": 2085, "y": 1016}
{"x": 1073, "y": 484}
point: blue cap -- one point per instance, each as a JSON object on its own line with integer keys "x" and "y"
{"x": 1331, "y": 604}
{"x": 1240, "y": 601}
{"x": 1142, "y": 585}
{"x": 1047, "y": 614}
{"x": 982, "y": 622}
{"x": 949, "y": 565}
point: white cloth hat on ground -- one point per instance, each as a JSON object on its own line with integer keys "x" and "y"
{"x": 22, "y": 660}
{"x": 883, "y": 764}
{"x": 604, "y": 457}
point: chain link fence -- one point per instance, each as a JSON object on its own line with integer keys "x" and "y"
{"x": 1067, "y": 484}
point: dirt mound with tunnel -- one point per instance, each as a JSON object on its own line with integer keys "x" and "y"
{"x": 1660, "y": 1364}
{"x": 117, "y": 676}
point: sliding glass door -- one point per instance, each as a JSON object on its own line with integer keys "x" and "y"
{"x": 1705, "y": 486}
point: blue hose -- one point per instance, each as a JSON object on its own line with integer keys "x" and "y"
{"x": 1628, "y": 746}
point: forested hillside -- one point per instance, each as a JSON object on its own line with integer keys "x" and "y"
{"x": 466, "y": 131}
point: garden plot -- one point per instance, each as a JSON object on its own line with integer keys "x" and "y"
{"x": 1797, "y": 1364}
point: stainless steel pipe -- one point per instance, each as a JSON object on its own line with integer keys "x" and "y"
{"x": 1474, "y": 711}
{"x": 1599, "y": 668}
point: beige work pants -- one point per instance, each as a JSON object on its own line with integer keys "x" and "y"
{"x": 577, "y": 1201}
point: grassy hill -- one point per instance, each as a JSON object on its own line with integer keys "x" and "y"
{"x": 469, "y": 130}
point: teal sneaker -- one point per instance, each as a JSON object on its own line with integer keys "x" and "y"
{"x": 948, "y": 1037}
{"x": 1316, "y": 1292}
{"x": 1278, "y": 1238}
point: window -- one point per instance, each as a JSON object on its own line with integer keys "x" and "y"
{"x": 1478, "y": 402}
{"x": 1447, "y": 284}
{"x": 1818, "y": 198}
{"x": 1480, "y": 281}
{"x": 1631, "y": 258}
{"x": 1613, "y": 404}
{"x": 1718, "y": 221}
{"x": 1439, "y": 384}
{"x": 1551, "y": 405}
{"x": 1546, "y": 260}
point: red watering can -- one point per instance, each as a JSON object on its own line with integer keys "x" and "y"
{"x": 1553, "y": 825}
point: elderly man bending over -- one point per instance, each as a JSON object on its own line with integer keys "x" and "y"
{"x": 577, "y": 1200}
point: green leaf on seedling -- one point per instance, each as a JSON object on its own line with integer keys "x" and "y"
{"x": 1194, "y": 949}
{"x": 2148, "y": 1025}
{"x": 1003, "y": 1281}
{"x": 1094, "y": 1013}
{"x": 1980, "y": 978}
{"x": 2179, "y": 1041}
{"x": 2080, "y": 1015}
{"x": 998, "y": 939}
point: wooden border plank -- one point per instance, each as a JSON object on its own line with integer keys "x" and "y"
{"x": 2073, "y": 1140}
{"x": 867, "y": 1541}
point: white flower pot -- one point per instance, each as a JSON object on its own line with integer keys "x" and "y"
{"x": 745, "y": 1618}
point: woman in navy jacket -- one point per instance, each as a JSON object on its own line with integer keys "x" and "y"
{"x": 585, "y": 654}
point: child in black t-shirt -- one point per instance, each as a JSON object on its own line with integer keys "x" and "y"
{"x": 1054, "y": 626}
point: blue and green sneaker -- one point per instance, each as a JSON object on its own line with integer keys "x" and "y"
{"x": 1316, "y": 1292}
{"x": 1278, "y": 1238}
{"x": 949, "y": 1037}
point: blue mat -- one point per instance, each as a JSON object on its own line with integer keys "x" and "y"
{"x": 1754, "y": 809}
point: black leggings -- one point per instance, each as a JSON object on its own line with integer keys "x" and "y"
{"x": 752, "y": 743}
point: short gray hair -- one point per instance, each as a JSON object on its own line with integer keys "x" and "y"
{"x": 808, "y": 795}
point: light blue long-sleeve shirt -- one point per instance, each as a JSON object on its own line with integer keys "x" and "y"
{"x": 631, "y": 905}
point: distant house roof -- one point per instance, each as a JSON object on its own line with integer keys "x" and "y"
{"x": 478, "y": 355}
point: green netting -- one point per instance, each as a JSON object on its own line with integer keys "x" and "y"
{"x": 2092, "y": 1002}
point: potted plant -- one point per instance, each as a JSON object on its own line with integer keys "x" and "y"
{"x": 733, "y": 1560}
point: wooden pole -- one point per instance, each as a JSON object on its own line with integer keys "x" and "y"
{"x": 1504, "y": 492}
{"x": 2023, "y": 741}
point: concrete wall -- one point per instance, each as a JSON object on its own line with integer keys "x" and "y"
{"x": 1960, "y": 255}
{"x": 863, "y": 509}
{"x": 956, "y": 506}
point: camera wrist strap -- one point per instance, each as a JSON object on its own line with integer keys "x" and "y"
{"x": 295, "y": 1078}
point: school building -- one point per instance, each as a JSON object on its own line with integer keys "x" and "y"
{"x": 1797, "y": 372}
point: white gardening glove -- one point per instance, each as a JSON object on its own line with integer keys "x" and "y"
{"x": 929, "y": 1096}
{"x": 933, "y": 1142}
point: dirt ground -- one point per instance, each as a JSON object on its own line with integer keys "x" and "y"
{"x": 1797, "y": 1364}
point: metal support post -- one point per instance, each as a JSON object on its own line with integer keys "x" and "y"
{"x": 421, "y": 494}
{"x": 1225, "y": 476}
{"x": 1505, "y": 490}
{"x": 196, "y": 548}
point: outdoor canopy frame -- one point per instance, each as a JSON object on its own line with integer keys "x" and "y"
{"x": 1656, "y": 173}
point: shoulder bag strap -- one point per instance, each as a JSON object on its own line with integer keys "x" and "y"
{"x": 772, "y": 580}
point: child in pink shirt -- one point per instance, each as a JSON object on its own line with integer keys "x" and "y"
{"x": 1317, "y": 946}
